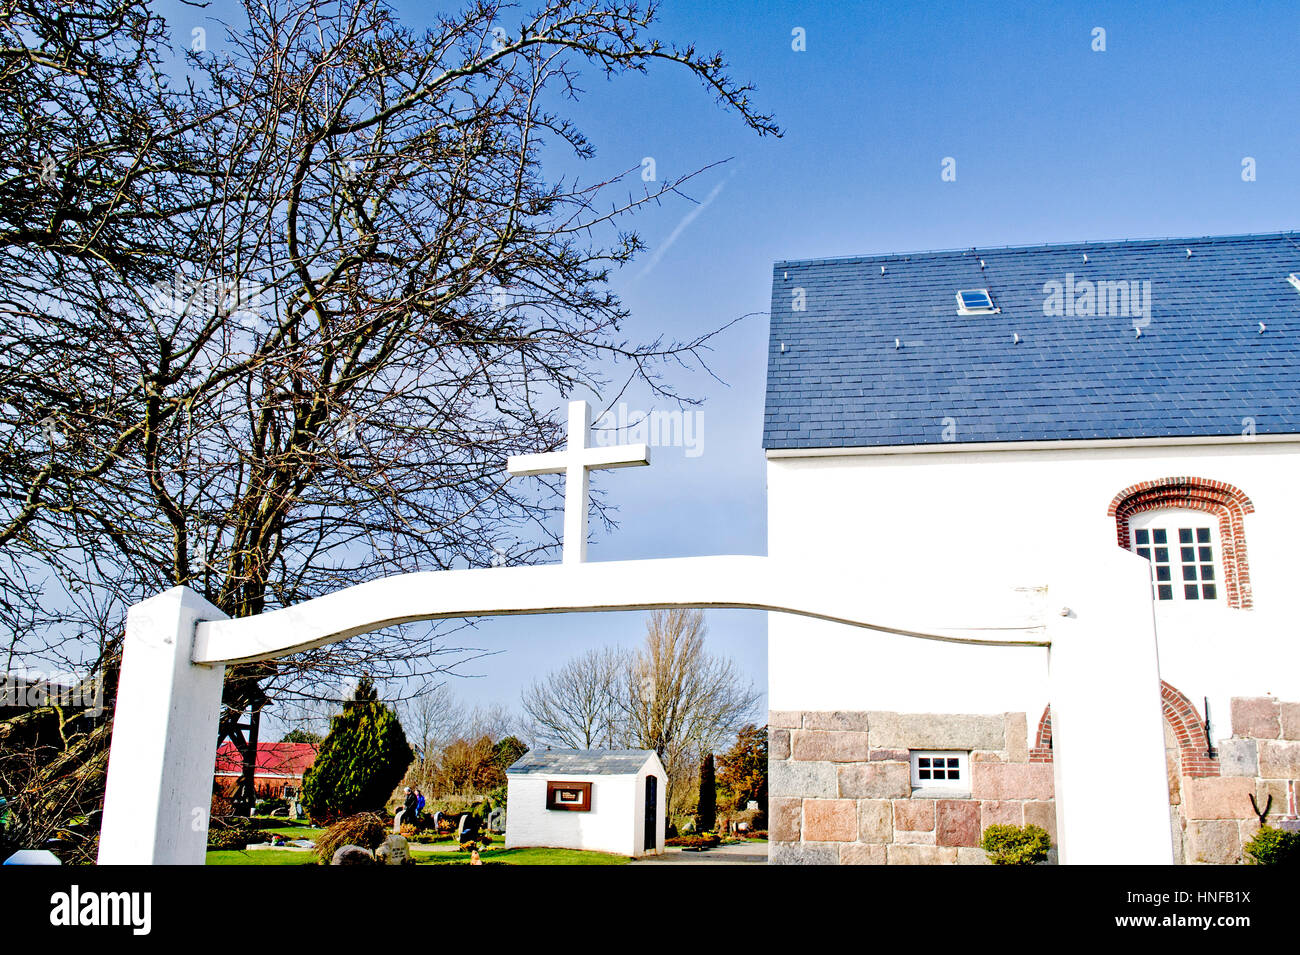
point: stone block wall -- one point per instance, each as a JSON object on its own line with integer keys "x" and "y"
{"x": 840, "y": 789}
{"x": 1262, "y": 759}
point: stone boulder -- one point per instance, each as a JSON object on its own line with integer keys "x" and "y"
{"x": 352, "y": 855}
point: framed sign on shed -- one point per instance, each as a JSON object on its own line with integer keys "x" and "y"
{"x": 572, "y": 797}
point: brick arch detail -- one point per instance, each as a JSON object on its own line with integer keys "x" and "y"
{"x": 1179, "y": 713}
{"x": 1229, "y": 504}
{"x": 1042, "y": 749}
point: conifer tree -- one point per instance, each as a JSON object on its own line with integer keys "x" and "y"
{"x": 707, "y": 814}
{"x": 360, "y": 762}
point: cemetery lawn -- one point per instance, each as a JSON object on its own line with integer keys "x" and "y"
{"x": 295, "y": 832}
{"x": 259, "y": 857}
{"x": 428, "y": 857}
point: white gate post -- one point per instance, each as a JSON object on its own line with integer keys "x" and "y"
{"x": 159, "y": 788}
{"x": 1112, "y": 793}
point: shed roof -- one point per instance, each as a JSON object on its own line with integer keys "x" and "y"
{"x": 585, "y": 762}
{"x": 871, "y": 351}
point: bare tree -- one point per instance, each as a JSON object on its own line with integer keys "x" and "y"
{"x": 577, "y": 705}
{"x": 682, "y": 701}
{"x": 432, "y": 719}
{"x": 290, "y": 346}
{"x": 671, "y": 695}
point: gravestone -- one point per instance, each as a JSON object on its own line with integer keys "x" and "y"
{"x": 397, "y": 821}
{"x": 497, "y": 820}
{"x": 394, "y": 851}
{"x": 463, "y": 828}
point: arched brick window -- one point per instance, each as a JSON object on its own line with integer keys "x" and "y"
{"x": 1042, "y": 751}
{"x": 1179, "y": 714}
{"x": 1225, "y": 502}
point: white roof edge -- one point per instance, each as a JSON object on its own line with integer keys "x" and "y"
{"x": 1066, "y": 445}
{"x": 562, "y": 771}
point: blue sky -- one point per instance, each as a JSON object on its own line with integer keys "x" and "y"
{"x": 1053, "y": 141}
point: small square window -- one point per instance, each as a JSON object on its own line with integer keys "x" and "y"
{"x": 1191, "y": 562}
{"x": 947, "y": 772}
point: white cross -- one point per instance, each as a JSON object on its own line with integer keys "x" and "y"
{"x": 574, "y": 462}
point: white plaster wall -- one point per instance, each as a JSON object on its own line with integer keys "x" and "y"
{"x": 614, "y": 823}
{"x": 912, "y": 523}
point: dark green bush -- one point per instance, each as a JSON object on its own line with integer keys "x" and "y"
{"x": 1016, "y": 845}
{"x": 1272, "y": 846}
{"x": 268, "y": 806}
{"x": 233, "y": 833}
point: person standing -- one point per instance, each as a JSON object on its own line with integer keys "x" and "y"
{"x": 408, "y": 807}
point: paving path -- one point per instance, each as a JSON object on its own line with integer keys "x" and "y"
{"x": 738, "y": 854}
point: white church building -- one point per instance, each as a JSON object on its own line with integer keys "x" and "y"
{"x": 596, "y": 799}
{"x": 954, "y": 418}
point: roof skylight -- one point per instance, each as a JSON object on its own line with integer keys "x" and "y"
{"x": 975, "y": 301}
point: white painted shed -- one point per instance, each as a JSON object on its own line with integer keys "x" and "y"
{"x": 605, "y": 800}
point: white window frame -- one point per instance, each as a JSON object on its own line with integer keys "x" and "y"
{"x": 959, "y": 786}
{"x": 1169, "y": 519}
{"x": 963, "y": 310}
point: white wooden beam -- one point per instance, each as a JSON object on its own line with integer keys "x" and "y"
{"x": 159, "y": 788}
{"x": 1112, "y": 793}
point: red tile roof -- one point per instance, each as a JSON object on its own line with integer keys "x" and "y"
{"x": 273, "y": 759}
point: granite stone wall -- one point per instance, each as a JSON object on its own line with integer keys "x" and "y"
{"x": 840, "y": 789}
{"x": 1262, "y": 759}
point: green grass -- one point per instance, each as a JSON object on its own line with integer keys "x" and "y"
{"x": 503, "y": 856}
{"x": 294, "y": 832}
{"x": 260, "y": 857}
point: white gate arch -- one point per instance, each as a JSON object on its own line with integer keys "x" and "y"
{"x": 1094, "y": 620}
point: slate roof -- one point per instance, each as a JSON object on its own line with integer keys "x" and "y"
{"x": 1201, "y": 366}
{"x": 581, "y": 762}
